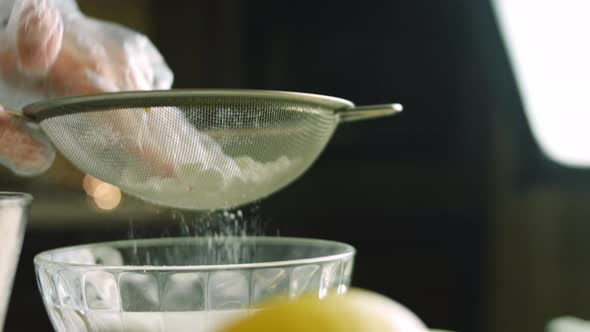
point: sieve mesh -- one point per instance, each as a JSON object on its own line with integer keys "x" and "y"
{"x": 195, "y": 152}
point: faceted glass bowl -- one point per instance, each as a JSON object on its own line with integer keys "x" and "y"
{"x": 183, "y": 284}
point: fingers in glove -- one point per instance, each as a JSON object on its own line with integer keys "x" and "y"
{"x": 23, "y": 148}
{"x": 39, "y": 37}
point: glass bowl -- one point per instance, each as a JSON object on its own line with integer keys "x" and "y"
{"x": 183, "y": 284}
{"x": 14, "y": 208}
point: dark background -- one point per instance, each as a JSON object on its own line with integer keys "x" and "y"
{"x": 452, "y": 208}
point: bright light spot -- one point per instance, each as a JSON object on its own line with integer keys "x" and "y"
{"x": 548, "y": 44}
{"x": 105, "y": 195}
{"x": 90, "y": 184}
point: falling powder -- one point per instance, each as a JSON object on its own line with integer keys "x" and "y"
{"x": 220, "y": 237}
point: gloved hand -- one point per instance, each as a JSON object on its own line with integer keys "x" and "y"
{"x": 48, "y": 48}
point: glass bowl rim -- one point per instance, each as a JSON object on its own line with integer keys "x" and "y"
{"x": 348, "y": 251}
{"x": 15, "y": 198}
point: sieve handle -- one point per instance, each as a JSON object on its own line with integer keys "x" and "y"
{"x": 358, "y": 113}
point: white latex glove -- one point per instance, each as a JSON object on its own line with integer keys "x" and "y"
{"x": 48, "y": 48}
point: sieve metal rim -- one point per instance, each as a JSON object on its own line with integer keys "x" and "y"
{"x": 90, "y": 103}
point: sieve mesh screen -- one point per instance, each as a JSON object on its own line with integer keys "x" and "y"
{"x": 195, "y": 152}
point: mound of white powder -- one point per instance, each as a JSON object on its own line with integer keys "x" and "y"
{"x": 205, "y": 177}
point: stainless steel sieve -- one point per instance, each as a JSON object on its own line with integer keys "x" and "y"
{"x": 197, "y": 149}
